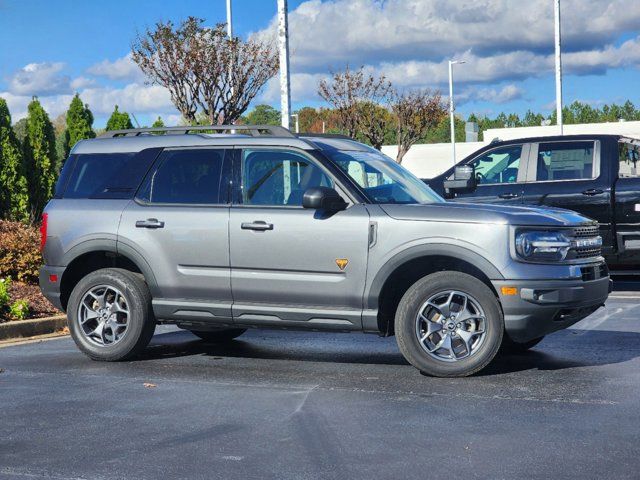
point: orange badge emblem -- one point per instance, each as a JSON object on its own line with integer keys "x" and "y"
{"x": 342, "y": 263}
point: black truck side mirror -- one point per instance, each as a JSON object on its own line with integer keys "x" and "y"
{"x": 464, "y": 179}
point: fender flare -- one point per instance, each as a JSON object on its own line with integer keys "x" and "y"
{"x": 117, "y": 248}
{"x": 372, "y": 293}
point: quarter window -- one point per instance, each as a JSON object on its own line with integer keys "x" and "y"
{"x": 278, "y": 177}
{"x": 498, "y": 166}
{"x": 185, "y": 177}
{"x": 565, "y": 161}
{"x": 629, "y": 159}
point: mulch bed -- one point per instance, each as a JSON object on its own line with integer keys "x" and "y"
{"x": 38, "y": 305}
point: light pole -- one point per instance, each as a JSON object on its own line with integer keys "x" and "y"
{"x": 297, "y": 117}
{"x": 230, "y": 34}
{"x": 452, "y": 108}
{"x": 556, "y": 5}
{"x": 229, "y": 24}
{"x": 283, "y": 44}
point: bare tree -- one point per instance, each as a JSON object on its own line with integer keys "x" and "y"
{"x": 357, "y": 97}
{"x": 416, "y": 112}
{"x": 204, "y": 69}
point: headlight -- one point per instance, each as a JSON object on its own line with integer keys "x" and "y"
{"x": 542, "y": 246}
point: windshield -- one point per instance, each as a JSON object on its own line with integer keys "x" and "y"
{"x": 381, "y": 179}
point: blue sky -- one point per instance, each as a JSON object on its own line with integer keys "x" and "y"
{"x": 55, "y": 48}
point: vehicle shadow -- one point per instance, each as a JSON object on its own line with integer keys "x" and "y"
{"x": 563, "y": 350}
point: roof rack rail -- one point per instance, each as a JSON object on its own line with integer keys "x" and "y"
{"x": 253, "y": 130}
{"x": 325, "y": 135}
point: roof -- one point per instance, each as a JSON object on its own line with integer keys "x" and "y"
{"x": 135, "y": 144}
{"x": 135, "y": 140}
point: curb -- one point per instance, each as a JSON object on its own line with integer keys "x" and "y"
{"x": 31, "y": 328}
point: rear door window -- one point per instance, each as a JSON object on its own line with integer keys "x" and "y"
{"x": 565, "y": 161}
{"x": 186, "y": 177}
{"x": 104, "y": 175}
{"x": 629, "y": 160}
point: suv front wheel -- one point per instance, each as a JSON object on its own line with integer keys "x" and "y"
{"x": 110, "y": 315}
{"x": 449, "y": 324}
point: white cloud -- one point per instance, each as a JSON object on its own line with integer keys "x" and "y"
{"x": 304, "y": 88}
{"x": 122, "y": 68}
{"x": 39, "y": 79}
{"x": 82, "y": 82}
{"x": 53, "y": 104}
{"x": 133, "y": 98}
{"x": 506, "y": 94}
{"x": 332, "y": 33}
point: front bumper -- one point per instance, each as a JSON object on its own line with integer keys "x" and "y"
{"x": 51, "y": 290}
{"x": 545, "y": 306}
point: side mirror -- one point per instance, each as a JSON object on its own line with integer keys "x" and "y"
{"x": 464, "y": 178}
{"x": 323, "y": 198}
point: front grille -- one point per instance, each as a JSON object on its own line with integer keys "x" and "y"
{"x": 587, "y": 251}
{"x": 585, "y": 232}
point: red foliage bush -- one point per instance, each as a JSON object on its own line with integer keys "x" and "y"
{"x": 20, "y": 257}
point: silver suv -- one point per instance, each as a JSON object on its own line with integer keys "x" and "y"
{"x": 218, "y": 229}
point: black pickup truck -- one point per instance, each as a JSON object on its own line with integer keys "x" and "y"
{"x": 595, "y": 175}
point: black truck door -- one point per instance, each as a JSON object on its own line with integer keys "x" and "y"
{"x": 499, "y": 173}
{"x": 627, "y": 202}
{"x": 568, "y": 174}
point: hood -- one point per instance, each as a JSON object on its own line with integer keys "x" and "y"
{"x": 487, "y": 213}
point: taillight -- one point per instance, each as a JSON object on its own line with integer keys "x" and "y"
{"x": 43, "y": 231}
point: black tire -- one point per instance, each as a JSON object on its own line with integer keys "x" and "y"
{"x": 219, "y": 336}
{"x": 509, "y": 346}
{"x": 413, "y": 300}
{"x": 141, "y": 321}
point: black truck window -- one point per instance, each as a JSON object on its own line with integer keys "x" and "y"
{"x": 565, "y": 161}
{"x": 629, "y": 158}
{"x": 499, "y": 165}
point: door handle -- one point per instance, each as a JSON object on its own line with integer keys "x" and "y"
{"x": 257, "y": 225}
{"x": 149, "y": 223}
{"x": 507, "y": 196}
{"x": 593, "y": 191}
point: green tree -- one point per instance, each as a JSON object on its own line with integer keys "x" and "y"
{"x": 532, "y": 119}
{"x": 79, "y": 124}
{"x": 119, "y": 120}
{"x": 263, "y": 115}
{"x": 40, "y": 156}
{"x": 441, "y": 133}
{"x": 14, "y": 193}
{"x": 158, "y": 123}
{"x": 20, "y": 129}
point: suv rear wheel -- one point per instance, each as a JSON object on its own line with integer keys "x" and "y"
{"x": 219, "y": 336}
{"x": 110, "y": 315}
{"x": 449, "y": 324}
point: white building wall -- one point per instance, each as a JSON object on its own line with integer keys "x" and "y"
{"x": 630, "y": 129}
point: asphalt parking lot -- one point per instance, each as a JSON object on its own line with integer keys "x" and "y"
{"x": 293, "y": 405}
